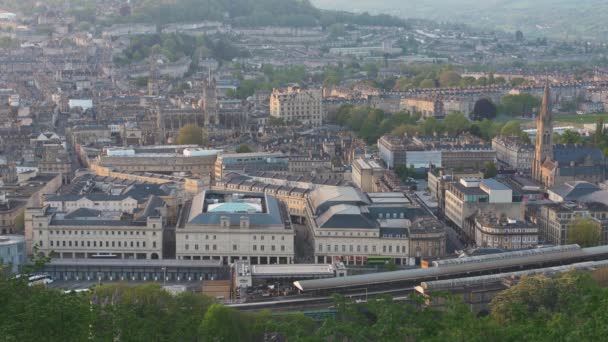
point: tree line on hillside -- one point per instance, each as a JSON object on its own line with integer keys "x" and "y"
{"x": 370, "y": 124}
{"x": 251, "y": 13}
{"x": 568, "y": 307}
{"x": 174, "y": 46}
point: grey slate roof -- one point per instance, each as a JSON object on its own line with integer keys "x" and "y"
{"x": 271, "y": 217}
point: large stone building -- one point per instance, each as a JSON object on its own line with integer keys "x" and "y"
{"x": 427, "y": 106}
{"x": 512, "y": 152}
{"x": 366, "y": 174}
{"x": 392, "y": 150}
{"x": 295, "y": 104}
{"x": 450, "y": 153}
{"x": 92, "y": 233}
{"x": 227, "y": 163}
{"x": 503, "y": 232}
{"x": 350, "y": 226}
{"x": 555, "y": 220}
{"x": 555, "y": 165}
{"x": 229, "y": 226}
{"x": 470, "y": 196}
{"x": 161, "y": 159}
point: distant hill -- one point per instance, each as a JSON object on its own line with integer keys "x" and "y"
{"x": 565, "y": 19}
{"x": 293, "y": 13}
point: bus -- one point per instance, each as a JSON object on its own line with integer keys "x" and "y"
{"x": 39, "y": 279}
{"x": 378, "y": 260}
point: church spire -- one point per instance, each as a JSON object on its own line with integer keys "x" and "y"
{"x": 545, "y": 111}
{"x": 544, "y": 136}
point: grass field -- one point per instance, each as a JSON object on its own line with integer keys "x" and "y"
{"x": 580, "y": 119}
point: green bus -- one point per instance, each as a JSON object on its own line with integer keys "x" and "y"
{"x": 378, "y": 260}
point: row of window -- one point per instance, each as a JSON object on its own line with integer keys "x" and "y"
{"x": 95, "y": 232}
{"x": 255, "y": 237}
{"x": 329, "y": 233}
{"x": 69, "y": 243}
{"x": 363, "y": 249}
{"x": 234, "y": 247}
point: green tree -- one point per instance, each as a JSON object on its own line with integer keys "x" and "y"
{"x": 511, "y": 129}
{"x": 431, "y": 126}
{"x": 490, "y": 170}
{"x": 427, "y": 83}
{"x": 584, "y": 232}
{"x": 456, "y": 123}
{"x": 191, "y": 134}
{"x": 517, "y": 105}
{"x": 569, "y": 137}
{"x": 484, "y": 109}
{"x": 243, "y": 148}
{"x": 449, "y": 78}
{"x": 223, "y": 324}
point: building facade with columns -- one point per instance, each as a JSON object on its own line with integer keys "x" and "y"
{"x": 230, "y": 225}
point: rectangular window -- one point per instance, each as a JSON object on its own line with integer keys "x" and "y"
{"x": 262, "y": 247}
{"x": 186, "y": 247}
{"x": 215, "y": 247}
{"x": 320, "y": 248}
{"x": 255, "y": 248}
{"x": 234, "y": 247}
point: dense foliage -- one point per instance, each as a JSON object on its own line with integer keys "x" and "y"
{"x": 370, "y": 124}
{"x": 191, "y": 135}
{"x": 174, "y": 46}
{"x": 569, "y": 307}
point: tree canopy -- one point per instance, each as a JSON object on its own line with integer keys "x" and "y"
{"x": 584, "y": 232}
{"x": 484, "y": 109}
{"x": 569, "y": 137}
{"x": 190, "y": 135}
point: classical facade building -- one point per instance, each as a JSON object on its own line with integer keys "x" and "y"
{"x": 512, "y": 152}
{"x": 229, "y": 226}
{"x": 160, "y": 159}
{"x": 503, "y": 232}
{"x": 297, "y": 104}
{"x": 350, "y": 226}
{"x": 91, "y": 233}
{"x": 555, "y": 220}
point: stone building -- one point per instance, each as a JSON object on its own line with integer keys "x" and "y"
{"x": 512, "y": 152}
{"x": 502, "y": 232}
{"x": 555, "y": 220}
{"x": 229, "y": 226}
{"x": 296, "y": 104}
{"x": 350, "y": 226}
